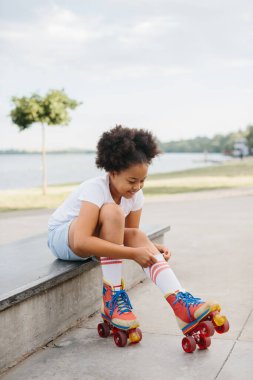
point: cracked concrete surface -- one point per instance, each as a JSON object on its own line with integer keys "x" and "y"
{"x": 211, "y": 240}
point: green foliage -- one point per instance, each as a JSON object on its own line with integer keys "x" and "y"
{"x": 249, "y": 137}
{"x": 217, "y": 144}
{"x": 27, "y": 111}
{"x": 51, "y": 109}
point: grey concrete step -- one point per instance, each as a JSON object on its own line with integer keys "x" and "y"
{"x": 41, "y": 297}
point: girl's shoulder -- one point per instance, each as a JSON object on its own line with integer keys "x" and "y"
{"x": 94, "y": 189}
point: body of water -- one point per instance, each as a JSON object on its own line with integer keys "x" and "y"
{"x": 24, "y": 170}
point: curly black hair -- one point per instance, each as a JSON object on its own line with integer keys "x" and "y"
{"x": 122, "y": 147}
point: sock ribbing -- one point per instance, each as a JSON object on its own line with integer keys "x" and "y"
{"x": 163, "y": 276}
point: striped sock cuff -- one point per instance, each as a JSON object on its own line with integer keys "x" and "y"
{"x": 109, "y": 261}
{"x": 157, "y": 268}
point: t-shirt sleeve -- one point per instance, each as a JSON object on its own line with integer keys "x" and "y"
{"x": 138, "y": 201}
{"x": 93, "y": 193}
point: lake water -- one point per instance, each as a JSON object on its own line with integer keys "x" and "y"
{"x": 24, "y": 170}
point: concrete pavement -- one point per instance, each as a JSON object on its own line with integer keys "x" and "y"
{"x": 212, "y": 245}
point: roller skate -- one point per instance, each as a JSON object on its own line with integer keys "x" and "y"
{"x": 197, "y": 319}
{"x": 118, "y": 317}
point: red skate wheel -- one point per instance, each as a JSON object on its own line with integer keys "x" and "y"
{"x": 120, "y": 338}
{"x": 204, "y": 342}
{"x": 103, "y": 330}
{"x": 206, "y": 328}
{"x": 222, "y": 329}
{"x": 189, "y": 344}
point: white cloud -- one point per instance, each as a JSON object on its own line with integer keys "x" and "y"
{"x": 65, "y": 25}
{"x": 57, "y": 27}
{"x": 146, "y": 30}
{"x": 154, "y": 26}
{"x": 62, "y": 37}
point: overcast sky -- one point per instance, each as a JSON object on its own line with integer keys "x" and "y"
{"x": 180, "y": 68}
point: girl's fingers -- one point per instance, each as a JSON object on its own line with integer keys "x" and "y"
{"x": 163, "y": 249}
{"x": 167, "y": 255}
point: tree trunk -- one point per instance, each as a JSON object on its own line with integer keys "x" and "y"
{"x": 44, "y": 165}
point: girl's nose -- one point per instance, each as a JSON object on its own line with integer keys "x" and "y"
{"x": 137, "y": 187}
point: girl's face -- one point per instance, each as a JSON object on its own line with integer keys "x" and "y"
{"x": 127, "y": 182}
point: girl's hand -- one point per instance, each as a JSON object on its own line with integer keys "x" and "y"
{"x": 164, "y": 250}
{"x": 144, "y": 256}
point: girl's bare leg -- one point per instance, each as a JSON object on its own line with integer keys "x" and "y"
{"x": 111, "y": 223}
{"x": 134, "y": 237}
{"x": 111, "y": 228}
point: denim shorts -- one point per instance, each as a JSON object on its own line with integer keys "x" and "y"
{"x": 58, "y": 243}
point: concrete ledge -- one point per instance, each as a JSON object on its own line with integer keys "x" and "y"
{"x": 54, "y": 299}
{"x": 28, "y": 267}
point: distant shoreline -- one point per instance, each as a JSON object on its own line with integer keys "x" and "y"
{"x": 88, "y": 151}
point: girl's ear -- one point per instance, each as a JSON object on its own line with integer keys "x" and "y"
{"x": 112, "y": 174}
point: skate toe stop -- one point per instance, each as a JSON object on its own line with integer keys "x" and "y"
{"x": 134, "y": 337}
{"x": 215, "y": 307}
{"x": 219, "y": 320}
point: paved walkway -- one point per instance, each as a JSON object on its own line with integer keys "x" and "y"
{"x": 212, "y": 245}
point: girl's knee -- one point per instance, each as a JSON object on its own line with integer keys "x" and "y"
{"x": 111, "y": 212}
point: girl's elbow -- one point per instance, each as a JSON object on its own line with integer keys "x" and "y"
{"x": 80, "y": 248}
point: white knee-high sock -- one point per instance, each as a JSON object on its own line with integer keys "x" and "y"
{"x": 163, "y": 276}
{"x": 112, "y": 271}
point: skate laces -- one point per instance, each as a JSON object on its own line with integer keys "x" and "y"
{"x": 188, "y": 300}
{"x": 120, "y": 299}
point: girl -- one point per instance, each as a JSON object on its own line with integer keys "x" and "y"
{"x": 101, "y": 217}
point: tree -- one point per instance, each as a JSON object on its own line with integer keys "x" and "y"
{"x": 52, "y": 109}
{"x": 249, "y": 137}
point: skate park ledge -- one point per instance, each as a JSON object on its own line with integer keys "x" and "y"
{"x": 41, "y": 297}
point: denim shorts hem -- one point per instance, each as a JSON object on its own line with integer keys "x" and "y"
{"x": 58, "y": 243}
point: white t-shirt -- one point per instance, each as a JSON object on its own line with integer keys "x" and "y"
{"x": 97, "y": 191}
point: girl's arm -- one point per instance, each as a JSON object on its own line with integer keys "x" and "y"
{"x": 133, "y": 221}
{"x": 82, "y": 239}
{"x": 84, "y": 242}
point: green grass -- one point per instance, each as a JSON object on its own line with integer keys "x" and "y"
{"x": 232, "y": 174}
{"x": 27, "y": 199}
{"x": 233, "y": 168}
{"x": 162, "y": 190}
